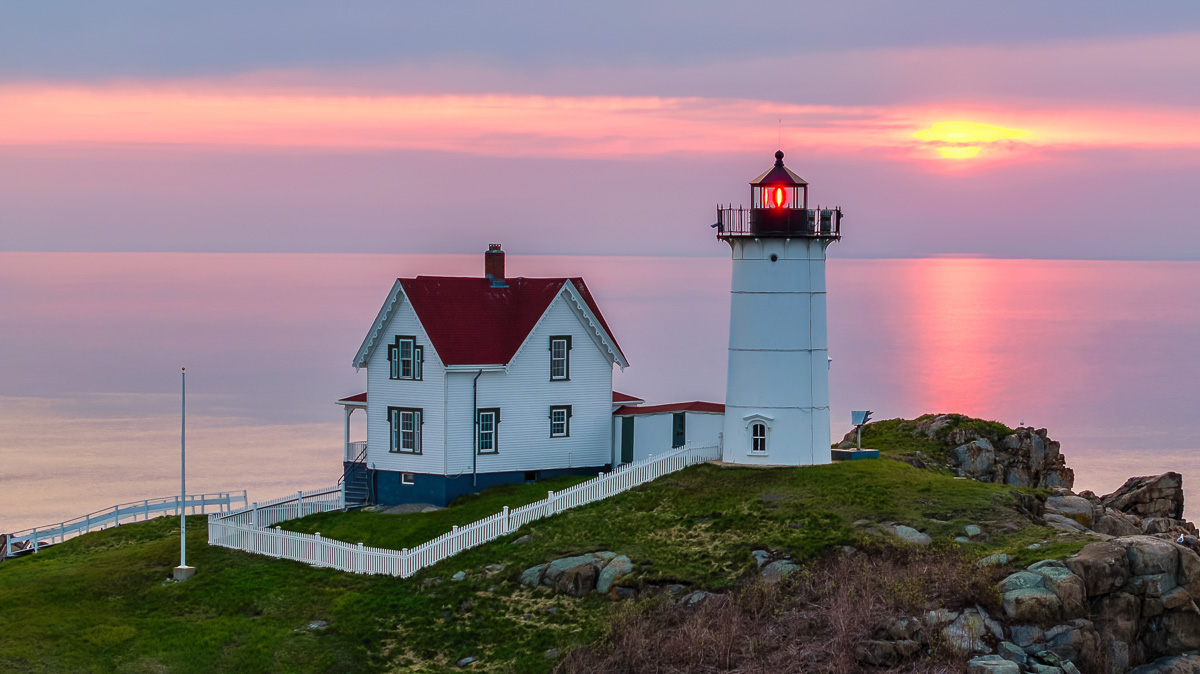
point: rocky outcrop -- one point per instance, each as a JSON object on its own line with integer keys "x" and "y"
{"x": 1124, "y": 601}
{"x": 1159, "y": 496}
{"x": 577, "y": 576}
{"x": 1144, "y": 505}
{"x": 986, "y": 451}
{"x": 1025, "y": 458}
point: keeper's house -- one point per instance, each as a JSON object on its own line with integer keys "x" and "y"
{"x": 475, "y": 382}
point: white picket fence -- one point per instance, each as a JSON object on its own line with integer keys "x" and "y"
{"x": 124, "y": 513}
{"x": 249, "y": 530}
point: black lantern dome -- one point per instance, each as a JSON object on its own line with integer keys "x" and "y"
{"x": 778, "y": 208}
{"x": 779, "y": 187}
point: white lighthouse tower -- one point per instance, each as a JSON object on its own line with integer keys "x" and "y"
{"x": 777, "y": 396}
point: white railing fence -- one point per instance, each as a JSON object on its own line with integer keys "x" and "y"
{"x": 136, "y": 511}
{"x": 354, "y": 450}
{"x": 238, "y": 531}
{"x": 293, "y": 506}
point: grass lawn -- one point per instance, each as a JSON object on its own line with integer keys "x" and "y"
{"x": 99, "y": 602}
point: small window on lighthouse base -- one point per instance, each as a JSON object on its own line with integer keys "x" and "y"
{"x": 758, "y": 438}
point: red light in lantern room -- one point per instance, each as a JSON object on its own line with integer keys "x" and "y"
{"x": 778, "y": 197}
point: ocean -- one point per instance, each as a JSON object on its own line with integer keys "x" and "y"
{"x": 1102, "y": 353}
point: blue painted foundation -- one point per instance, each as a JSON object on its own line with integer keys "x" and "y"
{"x": 440, "y": 490}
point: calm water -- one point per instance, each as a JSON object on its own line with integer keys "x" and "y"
{"x": 1101, "y": 353}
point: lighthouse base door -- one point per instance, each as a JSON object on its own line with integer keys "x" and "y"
{"x": 627, "y": 440}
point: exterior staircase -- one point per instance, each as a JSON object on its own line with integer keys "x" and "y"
{"x": 357, "y": 480}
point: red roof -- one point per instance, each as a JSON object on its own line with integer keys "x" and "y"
{"x": 625, "y": 398}
{"x": 694, "y": 406}
{"x": 360, "y": 398}
{"x": 472, "y": 323}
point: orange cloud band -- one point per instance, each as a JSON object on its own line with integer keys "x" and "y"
{"x": 591, "y": 126}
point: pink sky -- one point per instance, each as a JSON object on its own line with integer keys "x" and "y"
{"x": 963, "y": 133}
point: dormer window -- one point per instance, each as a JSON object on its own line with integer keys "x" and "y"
{"x": 405, "y": 358}
{"x": 560, "y": 357}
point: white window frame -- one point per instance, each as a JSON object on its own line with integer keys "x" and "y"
{"x": 405, "y": 441}
{"x": 399, "y": 362}
{"x": 755, "y": 439}
{"x": 565, "y": 410}
{"x": 407, "y": 479}
{"x": 563, "y": 360}
{"x": 492, "y": 436}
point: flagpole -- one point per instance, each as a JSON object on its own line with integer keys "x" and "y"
{"x": 182, "y": 466}
{"x": 183, "y": 571}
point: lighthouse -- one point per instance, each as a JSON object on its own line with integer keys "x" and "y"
{"x": 777, "y": 395}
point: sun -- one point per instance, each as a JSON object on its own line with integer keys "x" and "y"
{"x": 965, "y": 140}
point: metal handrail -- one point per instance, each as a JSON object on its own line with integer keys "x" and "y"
{"x": 361, "y": 458}
{"x": 822, "y": 223}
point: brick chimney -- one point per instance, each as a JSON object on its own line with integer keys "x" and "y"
{"x": 493, "y": 265}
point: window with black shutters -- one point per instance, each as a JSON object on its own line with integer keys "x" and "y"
{"x": 560, "y": 357}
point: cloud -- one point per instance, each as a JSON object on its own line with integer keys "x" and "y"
{"x": 544, "y": 126}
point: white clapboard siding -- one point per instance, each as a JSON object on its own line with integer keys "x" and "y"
{"x": 240, "y": 531}
{"x": 524, "y": 395}
{"x": 428, "y": 394}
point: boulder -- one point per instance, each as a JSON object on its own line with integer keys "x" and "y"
{"x": 1011, "y": 651}
{"x": 616, "y": 569}
{"x": 1076, "y": 641}
{"x": 533, "y": 575}
{"x": 1031, "y": 605}
{"x": 1116, "y": 523}
{"x": 558, "y": 567}
{"x": 777, "y": 570}
{"x": 940, "y": 616}
{"x": 965, "y": 634}
{"x": 1056, "y": 521}
{"x": 1149, "y": 496}
{"x": 1072, "y": 507}
{"x": 760, "y": 557}
{"x": 1150, "y": 555}
{"x": 577, "y": 580}
{"x": 1067, "y": 587}
{"x": 992, "y": 664}
{"x": 976, "y": 459}
{"x": 1021, "y": 580}
{"x": 910, "y": 535}
{"x": 1026, "y": 635}
{"x": 1103, "y": 566}
{"x": 1033, "y": 452}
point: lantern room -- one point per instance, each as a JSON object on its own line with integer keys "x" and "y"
{"x": 779, "y": 207}
{"x": 779, "y": 188}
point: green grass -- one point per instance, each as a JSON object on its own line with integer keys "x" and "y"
{"x": 99, "y": 602}
{"x": 899, "y": 436}
{"x": 405, "y": 531}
